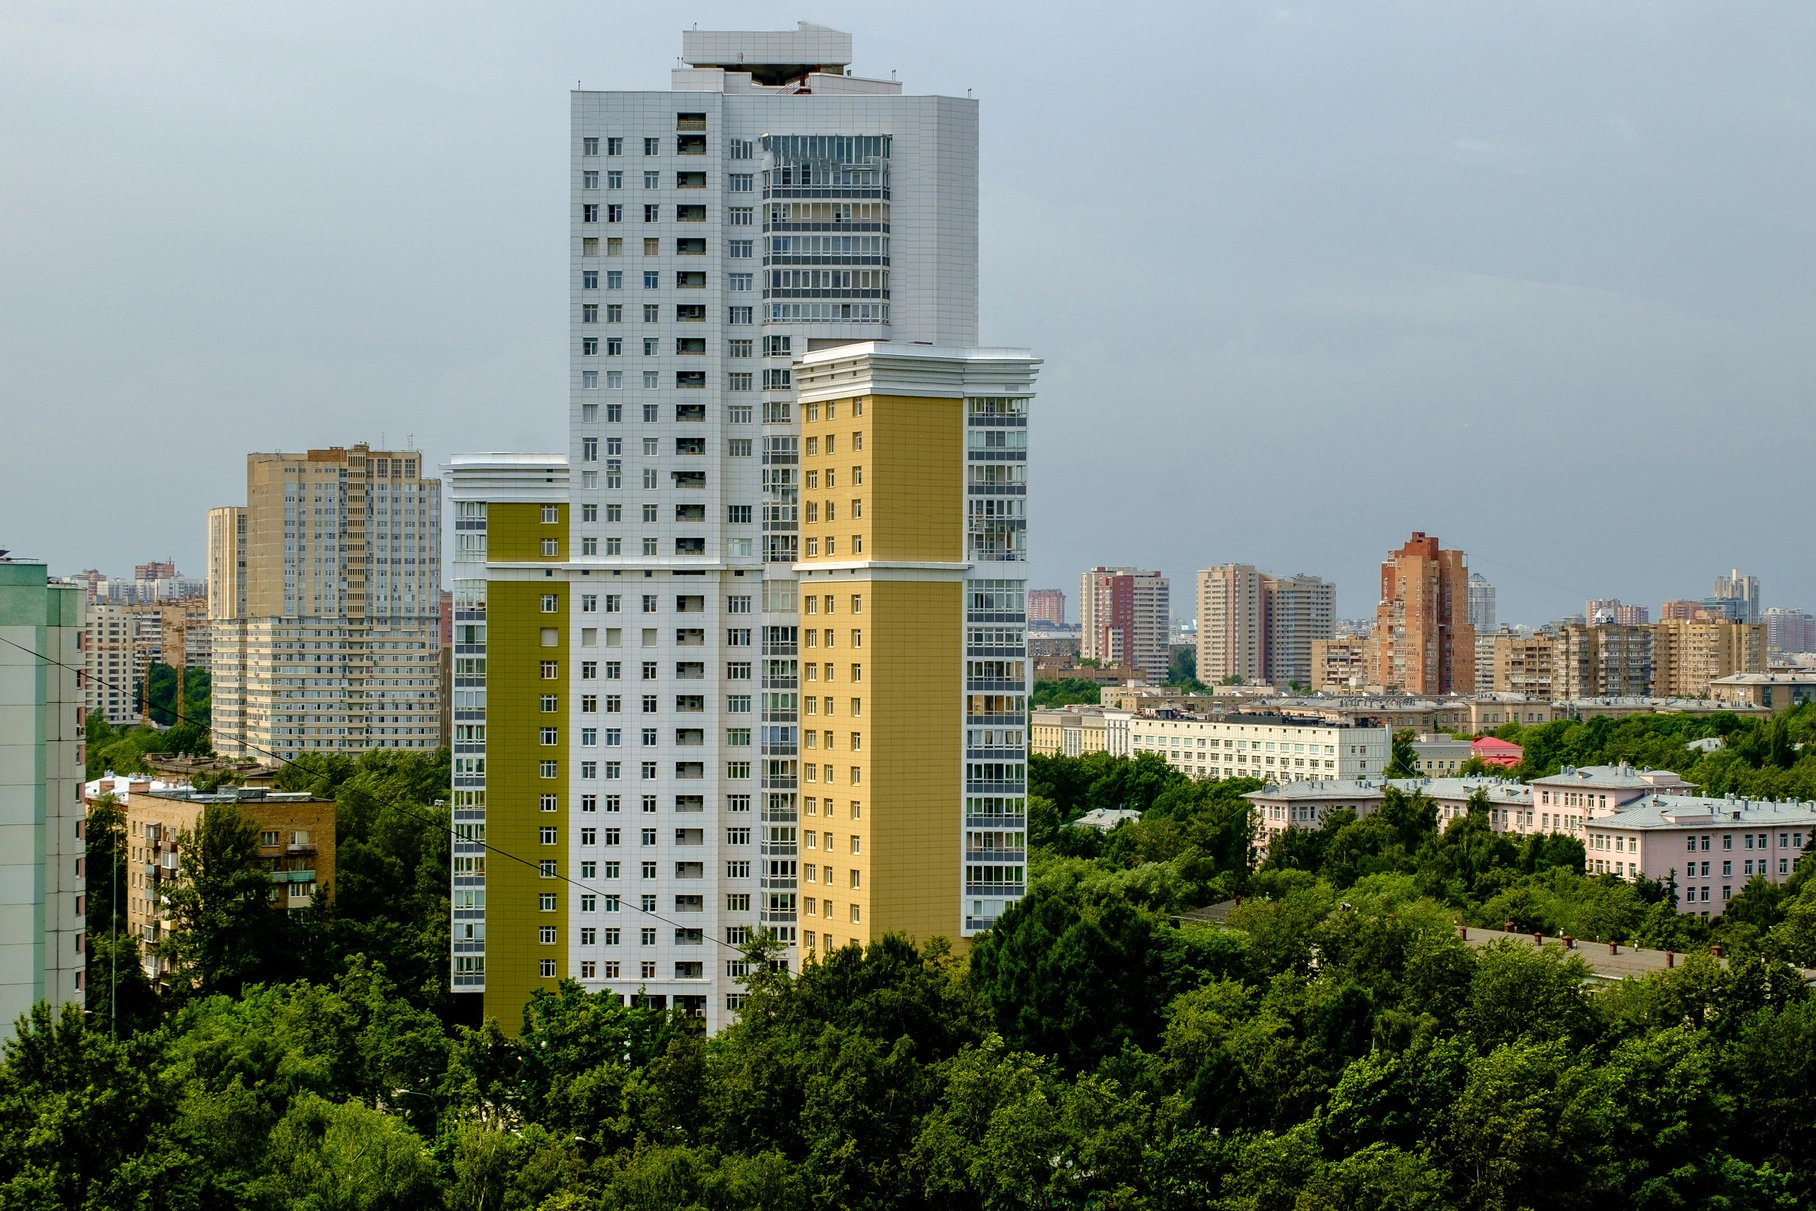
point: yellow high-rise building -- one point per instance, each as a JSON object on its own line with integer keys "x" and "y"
{"x": 750, "y": 654}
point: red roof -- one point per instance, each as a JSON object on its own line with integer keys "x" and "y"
{"x": 1494, "y": 751}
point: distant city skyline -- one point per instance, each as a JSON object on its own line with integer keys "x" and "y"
{"x": 1456, "y": 224}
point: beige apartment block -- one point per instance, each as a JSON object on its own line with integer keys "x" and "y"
{"x": 296, "y": 848}
{"x": 1523, "y": 664}
{"x": 227, "y": 562}
{"x": 1689, "y": 655}
{"x": 1339, "y": 664}
{"x": 1605, "y": 660}
{"x": 109, "y": 642}
{"x": 336, "y": 645}
{"x": 1232, "y": 631}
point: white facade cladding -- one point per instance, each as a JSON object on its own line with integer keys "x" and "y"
{"x": 766, "y": 206}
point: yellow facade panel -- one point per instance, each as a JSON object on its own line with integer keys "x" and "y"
{"x": 516, "y": 533}
{"x": 519, "y": 646}
{"x": 912, "y": 771}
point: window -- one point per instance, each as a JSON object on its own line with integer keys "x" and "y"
{"x": 652, "y": 147}
{"x": 589, "y": 213}
{"x": 550, "y": 670}
{"x": 614, "y": 213}
{"x": 737, "y": 281}
{"x": 614, "y": 179}
{"x": 589, "y": 313}
{"x": 652, "y": 213}
{"x": 589, "y": 147}
{"x": 652, "y": 180}
{"x": 589, "y": 180}
{"x": 740, "y": 216}
{"x": 614, "y": 147}
{"x": 740, "y": 315}
{"x": 546, "y": 968}
{"x": 738, "y": 249}
{"x": 740, "y": 182}
{"x": 739, "y": 380}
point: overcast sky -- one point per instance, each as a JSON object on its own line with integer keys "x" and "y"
{"x": 1535, "y": 278}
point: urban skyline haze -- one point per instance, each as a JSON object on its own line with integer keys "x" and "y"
{"x": 1372, "y": 264}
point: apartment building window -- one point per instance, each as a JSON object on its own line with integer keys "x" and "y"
{"x": 589, "y": 147}
{"x": 614, "y": 213}
{"x": 741, "y": 182}
{"x": 652, "y": 180}
{"x": 738, "y": 249}
{"x": 738, "y": 281}
{"x": 546, "y": 969}
{"x": 614, "y": 280}
{"x": 740, "y": 315}
{"x": 589, "y": 180}
{"x": 589, "y": 313}
{"x": 614, "y": 179}
{"x": 740, "y": 216}
{"x": 589, "y": 213}
{"x": 614, "y": 147}
{"x": 652, "y": 213}
{"x": 652, "y": 147}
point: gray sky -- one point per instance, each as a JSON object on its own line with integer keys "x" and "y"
{"x": 1536, "y": 278}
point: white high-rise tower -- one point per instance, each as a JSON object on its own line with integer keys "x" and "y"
{"x": 632, "y": 648}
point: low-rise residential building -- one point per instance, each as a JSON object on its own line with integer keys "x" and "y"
{"x": 1490, "y": 711}
{"x": 1492, "y": 752}
{"x": 1390, "y": 711}
{"x": 1073, "y": 731}
{"x": 1777, "y": 691}
{"x": 1283, "y": 805}
{"x": 1566, "y": 799}
{"x": 1066, "y": 669}
{"x": 296, "y": 847}
{"x": 1710, "y": 848}
{"x": 1439, "y": 756}
{"x": 1621, "y": 708}
{"x": 1143, "y": 698}
{"x": 1103, "y": 819}
{"x": 1273, "y": 747}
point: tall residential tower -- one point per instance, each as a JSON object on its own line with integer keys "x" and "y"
{"x": 324, "y": 599}
{"x": 42, "y": 891}
{"x": 751, "y": 653}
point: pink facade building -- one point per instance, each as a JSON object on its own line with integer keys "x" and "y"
{"x": 1047, "y": 605}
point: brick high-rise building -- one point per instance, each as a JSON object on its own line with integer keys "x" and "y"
{"x": 1047, "y": 605}
{"x": 1678, "y": 608}
{"x": 1124, "y": 617}
{"x": 1424, "y": 643}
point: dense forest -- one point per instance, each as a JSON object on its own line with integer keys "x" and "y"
{"x": 1335, "y": 1046}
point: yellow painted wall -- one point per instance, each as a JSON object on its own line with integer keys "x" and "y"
{"x": 914, "y": 637}
{"x": 514, "y": 787}
{"x": 514, "y": 533}
{"x": 913, "y": 465}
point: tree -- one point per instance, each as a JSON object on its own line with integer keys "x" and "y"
{"x": 224, "y": 931}
{"x": 119, "y": 996}
{"x": 1405, "y": 763}
{"x": 1048, "y": 694}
